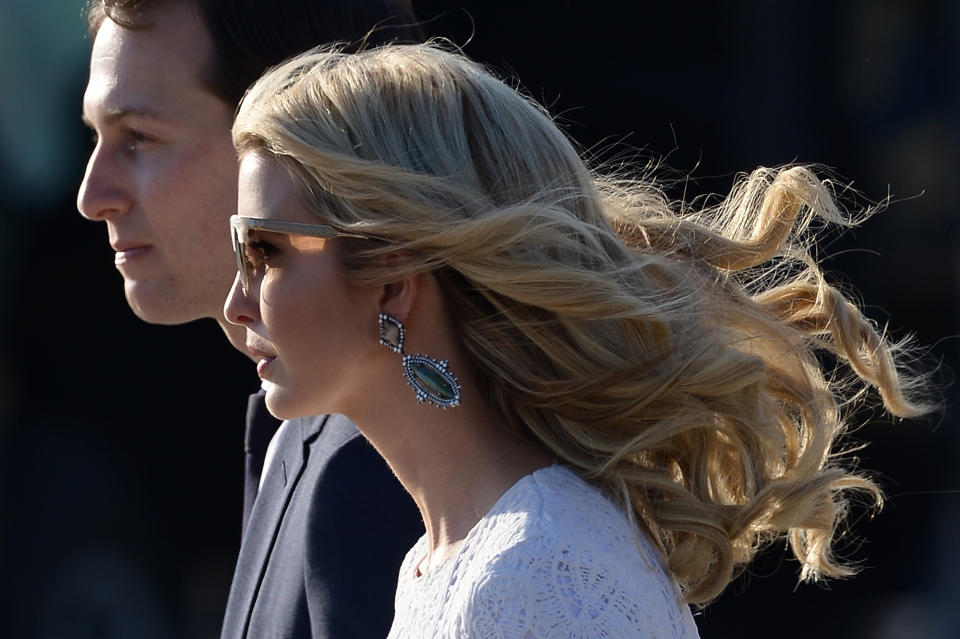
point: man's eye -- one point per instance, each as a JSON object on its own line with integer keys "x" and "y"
{"x": 136, "y": 139}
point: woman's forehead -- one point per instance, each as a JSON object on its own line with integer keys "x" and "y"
{"x": 266, "y": 190}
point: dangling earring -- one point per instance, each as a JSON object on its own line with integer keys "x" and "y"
{"x": 429, "y": 378}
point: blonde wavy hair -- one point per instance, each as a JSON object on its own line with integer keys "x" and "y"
{"x": 692, "y": 363}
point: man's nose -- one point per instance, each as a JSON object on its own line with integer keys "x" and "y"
{"x": 103, "y": 194}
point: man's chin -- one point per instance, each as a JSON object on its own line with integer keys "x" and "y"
{"x": 237, "y": 336}
{"x": 155, "y": 305}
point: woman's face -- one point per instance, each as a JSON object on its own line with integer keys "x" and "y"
{"x": 310, "y": 330}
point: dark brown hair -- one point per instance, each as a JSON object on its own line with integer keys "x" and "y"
{"x": 249, "y": 36}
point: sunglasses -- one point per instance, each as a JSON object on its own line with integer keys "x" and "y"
{"x": 240, "y": 228}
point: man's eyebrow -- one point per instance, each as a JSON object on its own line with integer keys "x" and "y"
{"x": 113, "y": 115}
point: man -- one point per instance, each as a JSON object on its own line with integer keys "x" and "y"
{"x": 330, "y": 524}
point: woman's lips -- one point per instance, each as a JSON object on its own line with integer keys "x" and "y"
{"x": 262, "y": 357}
{"x": 263, "y": 364}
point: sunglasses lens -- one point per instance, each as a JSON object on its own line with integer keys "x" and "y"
{"x": 239, "y": 252}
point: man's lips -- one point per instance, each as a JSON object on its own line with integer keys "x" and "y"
{"x": 127, "y": 251}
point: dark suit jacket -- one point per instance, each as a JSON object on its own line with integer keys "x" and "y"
{"x": 322, "y": 550}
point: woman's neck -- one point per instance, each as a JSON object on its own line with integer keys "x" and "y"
{"x": 455, "y": 463}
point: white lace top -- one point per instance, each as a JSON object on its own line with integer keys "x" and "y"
{"x": 553, "y": 559}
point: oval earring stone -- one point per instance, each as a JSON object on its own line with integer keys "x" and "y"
{"x": 431, "y": 380}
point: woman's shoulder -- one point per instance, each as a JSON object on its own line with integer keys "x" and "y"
{"x": 555, "y": 508}
{"x": 559, "y": 559}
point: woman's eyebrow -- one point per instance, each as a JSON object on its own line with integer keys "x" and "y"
{"x": 261, "y": 235}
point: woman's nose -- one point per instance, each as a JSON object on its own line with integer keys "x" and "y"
{"x": 240, "y": 308}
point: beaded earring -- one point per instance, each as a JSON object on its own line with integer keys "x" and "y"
{"x": 428, "y": 377}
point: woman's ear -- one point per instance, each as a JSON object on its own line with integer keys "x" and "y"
{"x": 399, "y": 297}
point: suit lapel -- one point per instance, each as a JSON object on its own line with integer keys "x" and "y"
{"x": 261, "y": 426}
{"x": 265, "y": 519}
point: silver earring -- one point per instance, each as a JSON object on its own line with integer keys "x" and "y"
{"x": 429, "y": 378}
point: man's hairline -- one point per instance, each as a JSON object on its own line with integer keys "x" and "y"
{"x": 202, "y": 69}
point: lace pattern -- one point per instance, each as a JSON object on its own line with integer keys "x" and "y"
{"x": 553, "y": 559}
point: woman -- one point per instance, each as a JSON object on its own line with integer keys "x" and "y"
{"x": 633, "y": 395}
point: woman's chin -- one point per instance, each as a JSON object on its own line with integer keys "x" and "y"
{"x": 281, "y": 403}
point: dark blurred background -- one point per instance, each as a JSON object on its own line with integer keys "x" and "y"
{"x": 120, "y": 502}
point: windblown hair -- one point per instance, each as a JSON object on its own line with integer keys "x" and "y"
{"x": 695, "y": 364}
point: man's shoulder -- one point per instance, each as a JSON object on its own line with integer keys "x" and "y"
{"x": 337, "y": 452}
{"x": 352, "y": 493}
{"x": 326, "y": 431}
